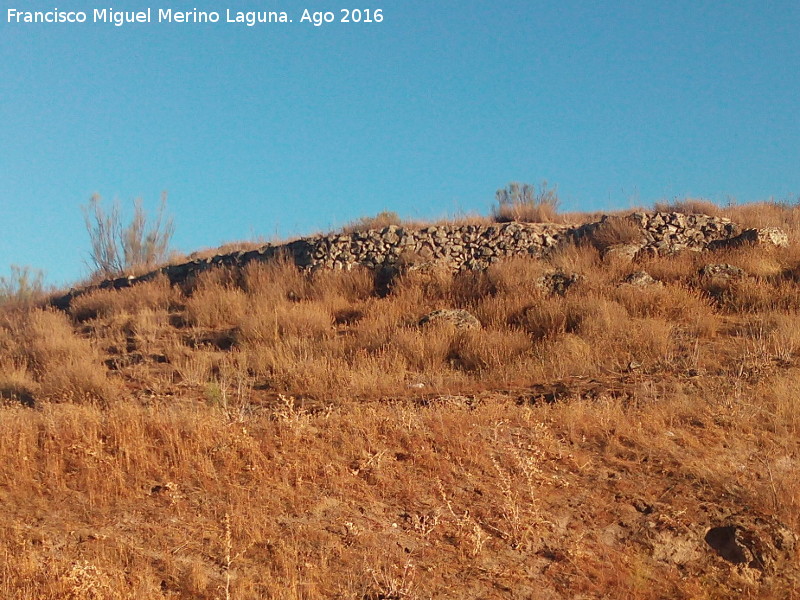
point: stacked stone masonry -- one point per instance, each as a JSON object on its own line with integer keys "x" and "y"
{"x": 461, "y": 247}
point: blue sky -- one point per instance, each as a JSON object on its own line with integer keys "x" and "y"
{"x": 286, "y": 129}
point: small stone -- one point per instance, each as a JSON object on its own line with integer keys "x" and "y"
{"x": 460, "y": 319}
{"x": 641, "y": 279}
{"x": 557, "y": 282}
{"x": 722, "y": 271}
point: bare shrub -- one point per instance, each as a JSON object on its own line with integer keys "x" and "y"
{"x": 524, "y": 202}
{"x": 379, "y": 221}
{"x": 23, "y": 288}
{"x": 119, "y": 249}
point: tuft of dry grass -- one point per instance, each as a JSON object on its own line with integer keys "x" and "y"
{"x": 48, "y": 358}
{"x": 380, "y": 221}
{"x": 691, "y": 206}
{"x": 614, "y": 231}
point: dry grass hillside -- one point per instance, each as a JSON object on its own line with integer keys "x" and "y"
{"x": 274, "y": 434}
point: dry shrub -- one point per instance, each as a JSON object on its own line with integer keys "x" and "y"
{"x": 430, "y": 286}
{"x": 762, "y": 264}
{"x": 299, "y": 366}
{"x": 275, "y": 281}
{"x": 617, "y": 337}
{"x": 785, "y": 215}
{"x": 781, "y": 395}
{"x": 754, "y": 295}
{"x": 379, "y": 221}
{"x": 512, "y": 277}
{"x": 193, "y": 366}
{"x": 64, "y": 366}
{"x": 351, "y": 286}
{"x": 524, "y": 202}
{"x": 673, "y": 269}
{"x": 581, "y": 259}
{"x": 217, "y": 306}
{"x": 382, "y": 371}
{"x": 17, "y": 384}
{"x": 758, "y": 261}
{"x": 24, "y": 288}
{"x": 156, "y": 294}
{"x": 488, "y": 350}
{"x": 426, "y": 350}
{"x": 567, "y": 355}
{"x": 544, "y": 319}
{"x": 690, "y": 206}
{"x": 593, "y": 316}
{"x": 775, "y": 334}
{"x": 673, "y": 302}
{"x": 264, "y": 324}
{"x": 648, "y": 341}
{"x": 526, "y": 213}
{"x": 586, "y": 315}
{"x": 148, "y": 326}
{"x": 614, "y": 231}
{"x": 611, "y": 337}
{"x": 213, "y": 275}
{"x": 502, "y": 311}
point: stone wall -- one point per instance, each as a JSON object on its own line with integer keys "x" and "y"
{"x": 469, "y": 246}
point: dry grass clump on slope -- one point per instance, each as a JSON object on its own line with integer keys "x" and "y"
{"x": 44, "y": 358}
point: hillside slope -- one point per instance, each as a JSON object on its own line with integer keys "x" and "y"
{"x": 608, "y": 425}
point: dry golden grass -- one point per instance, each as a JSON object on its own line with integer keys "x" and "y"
{"x": 615, "y": 231}
{"x": 690, "y": 206}
{"x": 526, "y": 213}
{"x": 273, "y": 434}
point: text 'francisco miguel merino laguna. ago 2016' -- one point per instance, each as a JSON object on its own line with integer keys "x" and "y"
{"x": 167, "y": 15}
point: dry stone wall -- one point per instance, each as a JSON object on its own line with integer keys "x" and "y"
{"x": 464, "y": 246}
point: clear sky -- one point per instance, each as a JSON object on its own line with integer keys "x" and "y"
{"x": 285, "y": 129}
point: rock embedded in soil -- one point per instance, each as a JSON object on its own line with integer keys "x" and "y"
{"x": 722, "y": 272}
{"x": 757, "y": 542}
{"x": 642, "y": 279}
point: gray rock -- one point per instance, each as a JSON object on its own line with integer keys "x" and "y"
{"x": 557, "y": 282}
{"x": 622, "y": 252}
{"x": 641, "y": 279}
{"x": 722, "y": 271}
{"x": 766, "y": 236}
{"x": 460, "y": 319}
